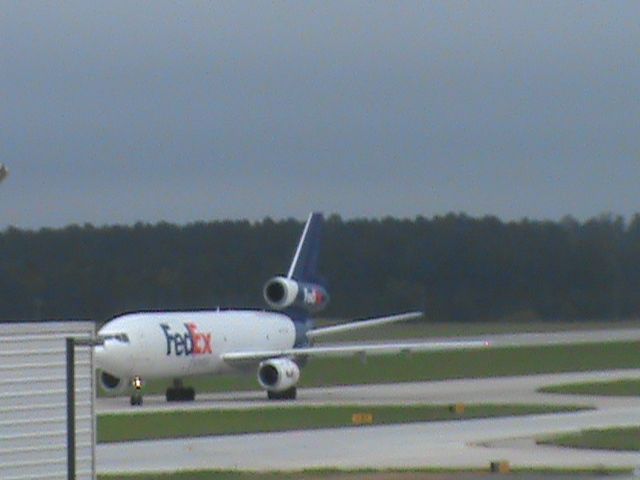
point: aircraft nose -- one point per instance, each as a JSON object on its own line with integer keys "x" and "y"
{"x": 99, "y": 355}
{"x": 104, "y": 356}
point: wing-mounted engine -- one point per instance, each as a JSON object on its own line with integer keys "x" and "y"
{"x": 282, "y": 292}
{"x": 278, "y": 374}
{"x": 112, "y": 384}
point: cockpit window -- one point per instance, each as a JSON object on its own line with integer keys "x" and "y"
{"x": 120, "y": 337}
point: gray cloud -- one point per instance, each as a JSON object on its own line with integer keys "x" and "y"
{"x": 112, "y": 112}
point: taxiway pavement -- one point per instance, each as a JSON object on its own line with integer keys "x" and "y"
{"x": 457, "y": 444}
{"x": 519, "y": 389}
{"x": 454, "y": 444}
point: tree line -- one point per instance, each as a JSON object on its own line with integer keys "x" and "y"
{"x": 454, "y": 267}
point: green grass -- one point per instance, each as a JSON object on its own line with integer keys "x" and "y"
{"x": 312, "y": 474}
{"x": 203, "y": 475}
{"x": 627, "y": 439}
{"x": 617, "y": 388}
{"x": 482, "y": 363}
{"x": 366, "y": 474}
{"x": 181, "y": 424}
{"x": 240, "y": 475}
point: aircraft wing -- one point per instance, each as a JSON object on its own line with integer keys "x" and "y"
{"x": 357, "y": 325}
{"x": 348, "y": 350}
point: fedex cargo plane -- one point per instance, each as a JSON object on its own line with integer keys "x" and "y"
{"x": 273, "y": 345}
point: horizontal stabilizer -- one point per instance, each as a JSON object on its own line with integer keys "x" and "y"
{"x": 347, "y": 350}
{"x": 357, "y": 325}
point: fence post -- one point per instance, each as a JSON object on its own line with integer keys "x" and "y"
{"x": 71, "y": 410}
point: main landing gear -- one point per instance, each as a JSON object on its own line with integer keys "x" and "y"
{"x": 289, "y": 394}
{"x": 178, "y": 393}
{"x": 136, "y": 396}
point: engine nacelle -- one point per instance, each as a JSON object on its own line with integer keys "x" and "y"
{"x": 282, "y": 292}
{"x": 278, "y": 374}
{"x": 111, "y": 384}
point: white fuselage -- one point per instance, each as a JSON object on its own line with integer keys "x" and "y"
{"x": 178, "y": 344}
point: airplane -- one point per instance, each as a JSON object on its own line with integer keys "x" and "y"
{"x": 274, "y": 344}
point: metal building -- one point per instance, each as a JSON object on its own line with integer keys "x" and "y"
{"x": 33, "y": 401}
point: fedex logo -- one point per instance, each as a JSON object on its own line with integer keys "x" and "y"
{"x": 191, "y": 342}
{"x": 313, "y": 296}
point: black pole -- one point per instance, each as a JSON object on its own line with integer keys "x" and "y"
{"x": 71, "y": 410}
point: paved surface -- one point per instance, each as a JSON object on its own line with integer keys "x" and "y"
{"x": 457, "y": 444}
{"x": 497, "y": 390}
{"x": 460, "y": 444}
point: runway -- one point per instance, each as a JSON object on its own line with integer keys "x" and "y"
{"x": 520, "y": 389}
{"x": 457, "y": 444}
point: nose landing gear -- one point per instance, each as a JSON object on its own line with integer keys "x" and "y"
{"x": 136, "y": 396}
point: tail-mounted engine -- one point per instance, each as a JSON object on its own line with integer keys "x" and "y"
{"x": 282, "y": 292}
{"x": 278, "y": 374}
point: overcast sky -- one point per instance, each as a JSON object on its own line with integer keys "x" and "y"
{"x": 116, "y": 112}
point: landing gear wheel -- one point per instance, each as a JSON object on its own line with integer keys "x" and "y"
{"x": 171, "y": 394}
{"x": 289, "y": 394}
{"x": 136, "y": 399}
{"x": 190, "y": 394}
{"x": 180, "y": 394}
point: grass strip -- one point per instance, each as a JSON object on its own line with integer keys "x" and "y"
{"x": 482, "y": 363}
{"x": 627, "y": 439}
{"x": 619, "y": 388}
{"x": 195, "y": 423}
{"x": 310, "y": 474}
{"x": 363, "y": 474}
